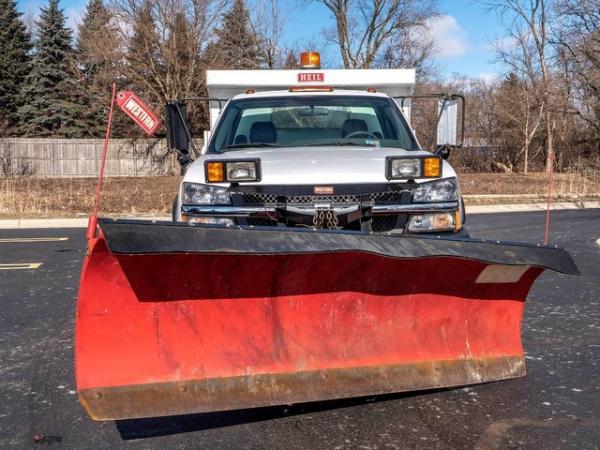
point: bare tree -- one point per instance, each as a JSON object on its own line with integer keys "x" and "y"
{"x": 579, "y": 41}
{"x": 366, "y": 29}
{"x": 412, "y": 47}
{"x": 529, "y": 24}
{"x": 269, "y": 22}
{"x": 526, "y": 97}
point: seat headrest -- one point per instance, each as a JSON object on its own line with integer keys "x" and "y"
{"x": 352, "y": 125}
{"x": 263, "y": 132}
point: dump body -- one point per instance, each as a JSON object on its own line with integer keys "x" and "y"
{"x": 176, "y": 319}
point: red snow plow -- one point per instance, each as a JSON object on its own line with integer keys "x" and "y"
{"x": 175, "y": 318}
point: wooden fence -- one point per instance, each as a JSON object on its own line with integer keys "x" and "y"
{"x": 81, "y": 158}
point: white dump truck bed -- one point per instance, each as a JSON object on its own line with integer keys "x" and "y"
{"x": 224, "y": 84}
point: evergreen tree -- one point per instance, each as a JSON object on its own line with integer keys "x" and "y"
{"x": 95, "y": 41}
{"x": 143, "y": 52}
{"x": 96, "y": 53}
{"x": 52, "y": 93}
{"x": 15, "y": 45}
{"x": 179, "y": 55}
{"x": 237, "y": 45}
{"x": 143, "y": 70}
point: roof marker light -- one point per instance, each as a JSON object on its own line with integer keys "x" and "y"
{"x": 310, "y": 89}
{"x": 310, "y": 60}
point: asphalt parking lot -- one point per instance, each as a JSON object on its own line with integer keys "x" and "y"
{"x": 556, "y": 406}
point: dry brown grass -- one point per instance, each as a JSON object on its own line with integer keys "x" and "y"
{"x": 34, "y": 197}
{"x": 69, "y": 197}
{"x": 534, "y": 183}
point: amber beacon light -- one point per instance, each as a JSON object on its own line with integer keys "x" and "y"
{"x": 310, "y": 60}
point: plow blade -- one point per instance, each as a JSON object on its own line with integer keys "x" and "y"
{"x": 176, "y": 319}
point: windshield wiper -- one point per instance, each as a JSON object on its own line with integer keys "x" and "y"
{"x": 252, "y": 144}
{"x": 336, "y": 144}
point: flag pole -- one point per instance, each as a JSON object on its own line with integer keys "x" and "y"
{"x": 93, "y": 220}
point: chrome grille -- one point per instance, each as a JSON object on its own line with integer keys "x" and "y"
{"x": 386, "y": 198}
{"x": 258, "y": 198}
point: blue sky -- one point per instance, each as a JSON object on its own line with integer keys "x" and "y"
{"x": 463, "y": 33}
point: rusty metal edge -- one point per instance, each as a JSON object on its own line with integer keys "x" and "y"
{"x": 250, "y": 391}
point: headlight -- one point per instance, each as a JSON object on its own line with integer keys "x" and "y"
{"x": 405, "y": 168}
{"x": 232, "y": 171}
{"x": 203, "y": 194}
{"x": 432, "y": 222}
{"x": 399, "y": 168}
{"x": 437, "y": 191}
{"x": 241, "y": 171}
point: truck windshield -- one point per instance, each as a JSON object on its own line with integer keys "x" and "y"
{"x": 311, "y": 121}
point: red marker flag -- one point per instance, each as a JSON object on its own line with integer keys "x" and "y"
{"x": 139, "y": 112}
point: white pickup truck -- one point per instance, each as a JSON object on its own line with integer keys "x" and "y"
{"x": 317, "y": 148}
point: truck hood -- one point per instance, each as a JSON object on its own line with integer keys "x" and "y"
{"x": 314, "y": 165}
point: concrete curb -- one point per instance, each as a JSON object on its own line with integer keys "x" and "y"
{"x": 524, "y": 207}
{"x": 65, "y": 222}
{"x": 570, "y": 197}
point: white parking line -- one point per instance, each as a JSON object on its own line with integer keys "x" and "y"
{"x": 32, "y": 239}
{"x": 20, "y": 266}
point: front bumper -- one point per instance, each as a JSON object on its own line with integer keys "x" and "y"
{"x": 270, "y": 211}
{"x": 381, "y": 207}
{"x": 371, "y": 218}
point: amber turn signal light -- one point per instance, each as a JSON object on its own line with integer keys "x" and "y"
{"x": 432, "y": 167}
{"x": 214, "y": 172}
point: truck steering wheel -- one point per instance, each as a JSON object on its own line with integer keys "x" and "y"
{"x": 359, "y": 132}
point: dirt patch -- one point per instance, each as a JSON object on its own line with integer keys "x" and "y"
{"x": 55, "y": 197}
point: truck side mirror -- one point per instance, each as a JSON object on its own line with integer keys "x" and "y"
{"x": 177, "y": 126}
{"x": 446, "y": 126}
{"x": 178, "y": 132}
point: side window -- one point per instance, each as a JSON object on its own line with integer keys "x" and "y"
{"x": 222, "y": 139}
{"x": 397, "y": 129}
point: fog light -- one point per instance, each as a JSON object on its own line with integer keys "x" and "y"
{"x": 432, "y": 222}
{"x": 210, "y": 220}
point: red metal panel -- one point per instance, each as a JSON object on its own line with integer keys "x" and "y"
{"x": 147, "y": 319}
